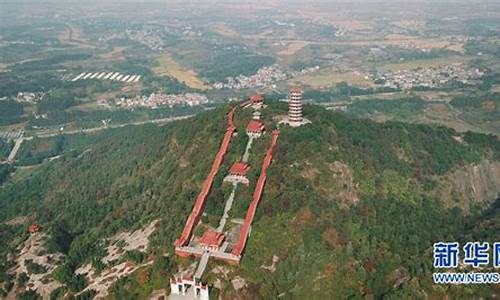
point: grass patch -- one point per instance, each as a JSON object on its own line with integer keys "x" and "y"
{"x": 167, "y": 66}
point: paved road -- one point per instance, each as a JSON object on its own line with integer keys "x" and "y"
{"x": 20, "y": 140}
{"x": 14, "y": 150}
{"x": 247, "y": 150}
{"x": 227, "y": 208}
{"x": 90, "y": 130}
{"x": 202, "y": 265}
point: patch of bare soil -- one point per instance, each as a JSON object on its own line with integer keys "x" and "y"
{"x": 33, "y": 250}
{"x": 238, "y": 283}
{"x": 343, "y": 187}
{"x": 158, "y": 295}
{"x": 17, "y": 221}
{"x": 137, "y": 240}
{"x": 271, "y": 268}
{"x": 119, "y": 245}
{"x": 101, "y": 282}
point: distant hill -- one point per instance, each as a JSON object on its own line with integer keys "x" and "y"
{"x": 351, "y": 207}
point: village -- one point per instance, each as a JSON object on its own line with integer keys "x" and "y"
{"x": 26, "y": 97}
{"x": 430, "y": 77}
{"x": 158, "y": 100}
{"x": 154, "y": 38}
{"x": 265, "y": 76}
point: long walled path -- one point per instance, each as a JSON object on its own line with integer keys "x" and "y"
{"x": 207, "y": 184}
{"x": 245, "y": 228}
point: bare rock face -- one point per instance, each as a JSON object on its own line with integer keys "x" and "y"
{"x": 474, "y": 184}
{"x": 341, "y": 186}
{"x": 33, "y": 250}
{"x": 346, "y": 186}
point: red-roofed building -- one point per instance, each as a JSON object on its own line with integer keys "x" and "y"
{"x": 239, "y": 169}
{"x": 212, "y": 240}
{"x": 257, "y": 98}
{"x": 255, "y": 128}
{"x": 296, "y": 89}
{"x": 238, "y": 173}
{"x": 257, "y": 101}
{"x": 34, "y": 228}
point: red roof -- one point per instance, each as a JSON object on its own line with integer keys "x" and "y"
{"x": 34, "y": 228}
{"x": 255, "y": 126}
{"x": 257, "y": 98}
{"x": 212, "y": 238}
{"x": 239, "y": 169}
{"x": 296, "y": 89}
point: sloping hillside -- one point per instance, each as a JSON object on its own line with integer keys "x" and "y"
{"x": 350, "y": 208}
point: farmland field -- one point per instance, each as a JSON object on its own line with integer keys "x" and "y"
{"x": 330, "y": 77}
{"x": 167, "y": 66}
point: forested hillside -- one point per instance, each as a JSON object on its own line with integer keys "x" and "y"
{"x": 349, "y": 208}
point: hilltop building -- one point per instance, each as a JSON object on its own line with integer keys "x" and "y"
{"x": 34, "y": 228}
{"x": 211, "y": 240}
{"x": 238, "y": 173}
{"x": 256, "y": 115}
{"x": 257, "y": 101}
{"x": 295, "y": 103}
{"x": 255, "y": 128}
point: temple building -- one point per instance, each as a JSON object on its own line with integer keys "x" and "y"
{"x": 34, "y": 228}
{"x": 257, "y": 101}
{"x": 255, "y": 128}
{"x": 295, "y": 103}
{"x": 211, "y": 240}
{"x": 238, "y": 173}
{"x": 256, "y": 115}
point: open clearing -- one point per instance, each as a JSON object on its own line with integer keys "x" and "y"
{"x": 116, "y": 268}
{"x": 353, "y": 25}
{"x": 73, "y": 36}
{"x": 495, "y": 88}
{"x": 22, "y": 173}
{"x": 87, "y": 106}
{"x": 424, "y": 63}
{"x": 395, "y": 39}
{"x": 223, "y": 29}
{"x": 115, "y": 54}
{"x": 293, "y": 48}
{"x": 33, "y": 249}
{"x": 4, "y": 67}
{"x": 169, "y": 67}
{"x": 330, "y": 77}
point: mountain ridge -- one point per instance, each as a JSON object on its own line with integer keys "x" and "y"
{"x": 381, "y": 176}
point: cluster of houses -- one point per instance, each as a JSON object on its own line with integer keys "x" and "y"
{"x": 159, "y": 100}
{"x": 431, "y": 77}
{"x": 26, "y": 97}
{"x": 153, "y": 37}
{"x": 150, "y": 38}
{"x": 265, "y": 76}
